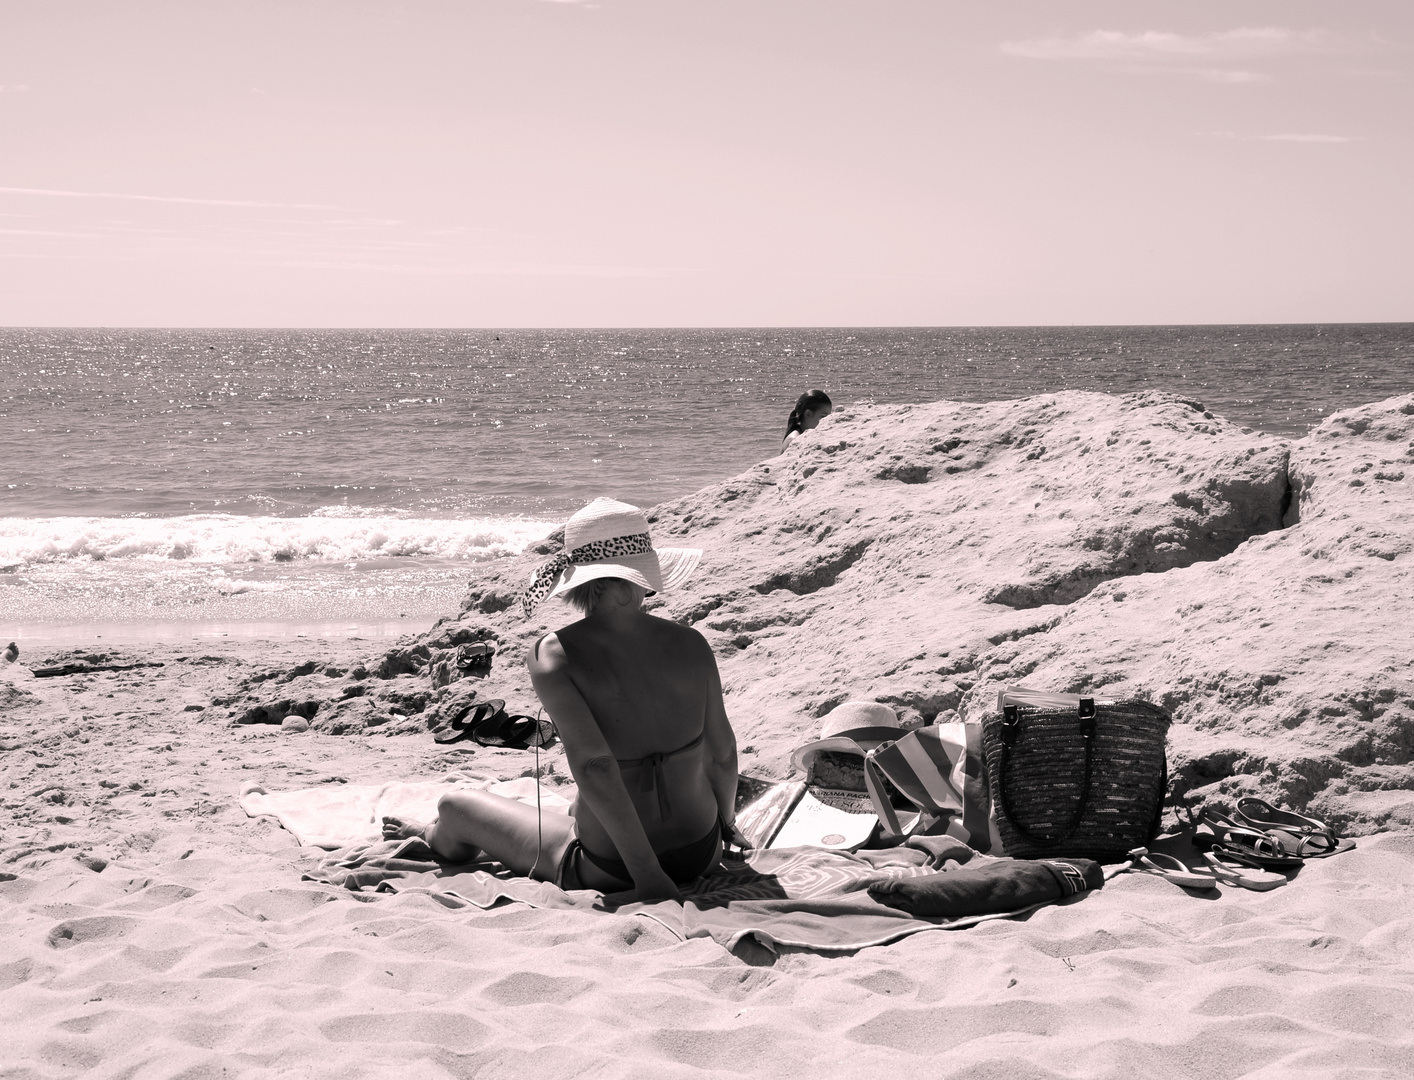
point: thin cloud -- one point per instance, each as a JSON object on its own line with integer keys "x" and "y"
{"x": 1307, "y": 138}
{"x": 1163, "y": 46}
{"x": 485, "y": 269}
{"x": 350, "y": 222}
{"x": 1296, "y": 138}
{"x": 14, "y": 88}
{"x": 46, "y": 232}
{"x": 56, "y": 193}
{"x": 1228, "y": 77}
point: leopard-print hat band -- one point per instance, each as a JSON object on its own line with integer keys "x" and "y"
{"x": 608, "y": 539}
{"x": 548, "y": 573}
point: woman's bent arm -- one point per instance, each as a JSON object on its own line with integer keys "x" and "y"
{"x": 720, "y": 744}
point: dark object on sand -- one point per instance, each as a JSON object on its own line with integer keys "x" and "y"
{"x": 1265, "y": 837}
{"x": 512, "y": 732}
{"x": 1216, "y": 832}
{"x": 277, "y": 712}
{"x": 12, "y": 653}
{"x": 84, "y": 669}
{"x": 991, "y": 887}
{"x": 488, "y": 724}
{"x": 460, "y": 727}
{"x": 475, "y": 657}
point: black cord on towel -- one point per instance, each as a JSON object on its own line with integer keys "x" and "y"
{"x": 539, "y": 825}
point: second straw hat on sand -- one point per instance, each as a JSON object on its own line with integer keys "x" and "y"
{"x": 853, "y": 727}
{"x": 608, "y": 538}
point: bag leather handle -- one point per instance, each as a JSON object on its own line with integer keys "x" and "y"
{"x": 1011, "y": 728}
{"x": 883, "y": 808}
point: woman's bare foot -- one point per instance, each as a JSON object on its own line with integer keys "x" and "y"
{"x": 396, "y": 828}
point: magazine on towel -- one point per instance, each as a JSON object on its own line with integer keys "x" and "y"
{"x": 791, "y": 814}
{"x": 827, "y": 818}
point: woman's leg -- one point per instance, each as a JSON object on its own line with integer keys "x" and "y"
{"x": 513, "y": 833}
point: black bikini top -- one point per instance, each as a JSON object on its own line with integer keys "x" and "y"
{"x": 653, "y": 777}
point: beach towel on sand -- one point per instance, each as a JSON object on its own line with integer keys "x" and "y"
{"x": 802, "y": 897}
{"x": 336, "y": 816}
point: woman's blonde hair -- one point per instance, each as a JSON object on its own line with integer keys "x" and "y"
{"x": 585, "y": 597}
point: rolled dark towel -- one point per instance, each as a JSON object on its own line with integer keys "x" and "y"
{"x": 989, "y": 887}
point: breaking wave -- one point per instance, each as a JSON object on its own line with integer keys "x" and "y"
{"x": 222, "y": 538}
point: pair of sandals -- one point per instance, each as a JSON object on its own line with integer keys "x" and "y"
{"x": 1262, "y": 835}
{"x": 475, "y": 658}
{"x": 1256, "y": 848}
{"x": 1261, "y": 843}
{"x": 488, "y": 724}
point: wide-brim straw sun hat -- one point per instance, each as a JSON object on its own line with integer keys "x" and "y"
{"x": 853, "y": 727}
{"x": 606, "y": 539}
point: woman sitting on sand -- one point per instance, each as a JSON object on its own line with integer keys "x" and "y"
{"x": 810, "y": 409}
{"x": 637, "y": 702}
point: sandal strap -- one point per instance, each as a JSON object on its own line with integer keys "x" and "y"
{"x": 1263, "y": 815}
{"x": 1237, "y": 855}
{"x": 1309, "y": 844}
{"x": 1259, "y": 842}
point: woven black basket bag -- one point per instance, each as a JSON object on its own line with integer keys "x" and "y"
{"x": 1076, "y": 778}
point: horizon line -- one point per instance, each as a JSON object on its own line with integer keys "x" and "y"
{"x": 701, "y": 326}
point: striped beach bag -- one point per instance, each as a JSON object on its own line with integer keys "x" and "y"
{"x": 940, "y": 770}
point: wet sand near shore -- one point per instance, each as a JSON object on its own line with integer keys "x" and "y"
{"x": 153, "y": 930}
{"x": 55, "y": 603}
{"x": 320, "y": 633}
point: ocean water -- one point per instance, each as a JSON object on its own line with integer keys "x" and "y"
{"x": 354, "y": 478}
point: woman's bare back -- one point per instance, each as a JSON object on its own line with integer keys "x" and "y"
{"x": 648, "y": 691}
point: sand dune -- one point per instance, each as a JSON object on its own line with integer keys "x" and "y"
{"x": 929, "y": 555}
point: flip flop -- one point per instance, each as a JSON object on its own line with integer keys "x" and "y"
{"x": 1299, "y": 835}
{"x": 1246, "y": 877}
{"x": 516, "y": 732}
{"x": 1178, "y": 873}
{"x": 463, "y": 727}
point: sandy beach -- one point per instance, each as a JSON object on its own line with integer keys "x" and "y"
{"x": 153, "y": 929}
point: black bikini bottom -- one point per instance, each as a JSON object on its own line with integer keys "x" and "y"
{"x": 683, "y": 864}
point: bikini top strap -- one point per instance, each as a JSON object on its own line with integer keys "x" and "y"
{"x": 653, "y": 777}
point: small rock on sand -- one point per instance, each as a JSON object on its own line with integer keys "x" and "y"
{"x": 294, "y": 723}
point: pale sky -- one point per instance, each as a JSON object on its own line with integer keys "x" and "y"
{"x": 502, "y": 163}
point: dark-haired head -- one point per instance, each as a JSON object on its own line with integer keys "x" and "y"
{"x": 810, "y": 409}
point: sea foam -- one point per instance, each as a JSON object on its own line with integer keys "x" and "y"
{"x": 223, "y": 538}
